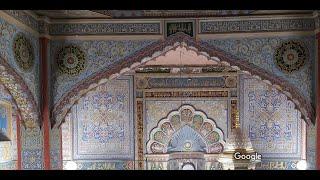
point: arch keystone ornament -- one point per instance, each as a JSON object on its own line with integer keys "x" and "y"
{"x": 186, "y": 116}
{"x": 171, "y": 43}
{"x": 21, "y": 95}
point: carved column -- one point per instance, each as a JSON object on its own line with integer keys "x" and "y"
{"x": 44, "y": 101}
{"x": 139, "y": 132}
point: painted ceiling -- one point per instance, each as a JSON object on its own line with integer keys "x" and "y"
{"x": 136, "y": 14}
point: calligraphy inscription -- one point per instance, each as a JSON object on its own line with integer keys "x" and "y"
{"x": 186, "y": 94}
{"x": 185, "y": 27}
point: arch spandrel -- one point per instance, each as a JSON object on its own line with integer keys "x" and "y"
{"x": 160, "y": 48}
{"x": 21, "y": 95}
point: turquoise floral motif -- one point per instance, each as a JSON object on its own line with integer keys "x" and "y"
{"x": 8, "y": 32}
{"x": 32, "y": 149}
{"x": 32, "y": 159}
{"x": 270, "y": 119}
{"x": 102, "y": 133}
{"x": 99, "y": 55}
{"x": 260, "y": 51}
{"x": 103, "y": 122}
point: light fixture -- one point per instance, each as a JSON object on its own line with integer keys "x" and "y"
{"x": 302, "y": 165}
{"x": 71, "y": 165}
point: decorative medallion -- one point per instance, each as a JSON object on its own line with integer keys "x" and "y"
{"x": 291, "y": 56}
{"x": 187, "y": 146}
{"x": 71, "y": 60}
{"x": 142, "y": 83}
{"x": 23, "y": 52}
{"x": 231, "y": 82}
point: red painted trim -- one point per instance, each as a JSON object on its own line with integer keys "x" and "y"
{"x": 45, "y": 101}
{"x": 19, "y": 142}
{"x": 318, "y": 104}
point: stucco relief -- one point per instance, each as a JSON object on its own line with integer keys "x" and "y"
{"x": 156, "y": 110}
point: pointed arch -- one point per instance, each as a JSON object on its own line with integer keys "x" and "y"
{"x": 21, "y": 94}
{"x": 160, "y": 48}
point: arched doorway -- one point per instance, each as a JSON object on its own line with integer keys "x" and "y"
{"x": 196, "y": 77}
{"x": 179, "y": 40}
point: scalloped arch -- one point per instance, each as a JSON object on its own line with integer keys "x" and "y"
{"x": 160, "y": 48}
{"x": 21, "y": 95}
{"x": 175, "y": 120}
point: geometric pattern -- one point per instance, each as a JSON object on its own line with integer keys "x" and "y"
{"x": 32, "y": 148}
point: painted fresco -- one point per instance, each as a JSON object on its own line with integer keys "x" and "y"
{"x": 270, "y": 120}
{"x": 100, "y": 128}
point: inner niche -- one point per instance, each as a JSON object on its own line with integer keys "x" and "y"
{"x": 186, "y": 140}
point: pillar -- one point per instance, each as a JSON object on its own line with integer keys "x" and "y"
{"x": 44, "y": 101}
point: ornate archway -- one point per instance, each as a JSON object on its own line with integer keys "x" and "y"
{"x": 160, "y": 48}
{"x": 21, "y": 95}
{"x": 188, "y": 119}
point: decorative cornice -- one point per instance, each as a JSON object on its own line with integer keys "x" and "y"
{"x": 317, "y": 22}
{"x": 271, "y": 25}
{"x": 160, "y": 48}
{"x": 43, "y": 27}
{"x": 236, "y": 24}
{"x": 24, "y": 17}
{"x": 105, "y": 28}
